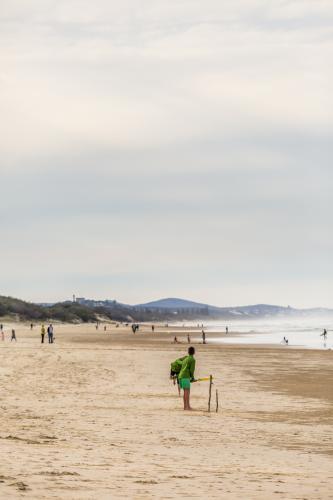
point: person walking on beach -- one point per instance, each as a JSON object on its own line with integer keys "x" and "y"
{"x": 188, "y": 338}
{"x": 186, "y": 376}
{"x": 42, "y": 333}
{"x": 324, "y": 334}
{"x": 153, "y": 328}
{"x": 135, "y": 327}
{"x": 31, "y": 326}
{"x": 203, "y": 337}
{"x": 13, "y": 337}
{"x": 226, "y": 330}
{"x": 50, "y": 333}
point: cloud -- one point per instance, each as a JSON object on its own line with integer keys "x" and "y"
{"x": 81, "y": 74}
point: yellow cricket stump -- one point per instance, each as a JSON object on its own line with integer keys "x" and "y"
{"x": 204, "y": 379}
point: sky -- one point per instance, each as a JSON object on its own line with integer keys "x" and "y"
{"x": 167, "y": 149}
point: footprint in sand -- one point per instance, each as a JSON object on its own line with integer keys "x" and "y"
{"x": 20, "y": 485}
{"x": 181, "y": 477}
{"x": 141, "y": 481}
{"x": 55, "y": 473}
{"x": 3, "y": 479}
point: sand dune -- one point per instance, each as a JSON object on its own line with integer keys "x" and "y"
{"x": 95, "y": 416}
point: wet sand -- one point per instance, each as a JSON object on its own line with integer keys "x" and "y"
{"x": 95, "y": 416}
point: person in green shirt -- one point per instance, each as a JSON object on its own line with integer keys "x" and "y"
{"x": 186, "y": 376}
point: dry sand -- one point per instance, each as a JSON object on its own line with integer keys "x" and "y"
{"x": 94, "y": 416}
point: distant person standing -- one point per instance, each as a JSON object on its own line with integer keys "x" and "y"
{"x": 50, "y": 333}
{"x": 226, "y": 330}
{"x": 153, "y": 328}
{"x": 2, "y": 335}
{"x": 188, "y": 338}
{"x": 13, "y": 337}
{"x": 203, "y": 337}
{"x": 105, "y": 328}
{"x": 324, "y": 334}
{"x": 42, "y": 333}
{"x": 31, "y": 326}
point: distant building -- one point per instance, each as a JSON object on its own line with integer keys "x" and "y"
{"x": 80, "y": 300}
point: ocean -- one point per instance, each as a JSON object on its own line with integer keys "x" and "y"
{"x": 304, "y": 332}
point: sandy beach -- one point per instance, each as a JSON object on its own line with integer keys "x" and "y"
{"x": 95, "y": 416}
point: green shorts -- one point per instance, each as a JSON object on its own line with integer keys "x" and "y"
{"x": 185, "y": 383}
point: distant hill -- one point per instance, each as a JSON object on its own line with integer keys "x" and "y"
{"x": 90, "y": 310}
{"x": 172, "y": 303}
{"x": 177, "y": 306}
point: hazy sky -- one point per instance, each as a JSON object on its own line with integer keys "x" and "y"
{"x": 167, "y": 148}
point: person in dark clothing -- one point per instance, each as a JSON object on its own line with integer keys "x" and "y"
{"x": 50, "y": 333}
{"x": 13, "y": 337}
